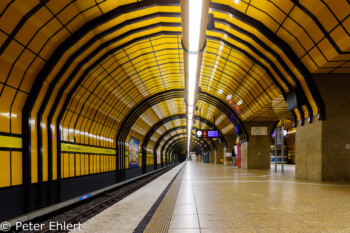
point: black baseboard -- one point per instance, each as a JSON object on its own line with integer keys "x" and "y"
{"x": 133, "y": 172}
{"x": 77, "y": 186}
{"x": 11, "y": 203}
{"x": 150, "y": 168}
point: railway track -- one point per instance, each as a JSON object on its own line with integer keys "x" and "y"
{"x": 91, "y": 207}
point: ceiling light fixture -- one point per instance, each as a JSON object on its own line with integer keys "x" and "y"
{"x": 194, "y": 16}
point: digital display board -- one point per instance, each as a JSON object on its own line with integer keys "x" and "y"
{"x": 207, "y": 134}
{"x": 213, "y": 133}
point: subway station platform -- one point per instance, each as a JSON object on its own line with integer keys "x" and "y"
{"x": 215, "y": 198}
{"x": 97, "y": 94}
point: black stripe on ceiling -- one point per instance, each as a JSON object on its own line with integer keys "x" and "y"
{"x": 86, "y": 72}
{"x": 55, "y": 57}
{"x": 273, "y": 66}
{"x": 261, "y": 55}
{"x": 228, "y": 111}
{"x": 149, "y": 102}
{"x": 320, "y": 26}
{"x": 295, "y": 120}
{"x": 283, "y": 46}
{"x": 42, "y": 110}
{"x": 89, "y": 26}
{"x": 183, "y": 141}
{"x": 165, "y": 144}
{"x": 155, "y": 149}
{"x": 208, "y": 123}
{"x": 131, "y": 118}
{"x": 166, "y": 120}
{"x": 206, "y": 71}
{"x": 3, "y": 10}
{"x": 204, "y": 144}
{"x": 136, "y": 112}
{"x": 182, "y": 145}
{"x": 50, "y": 91}
{"x": 169, "y": 132}
{"x": 20, "y": 24}
{"x": 98, "y": 22}
{"x": 161, "y": 123}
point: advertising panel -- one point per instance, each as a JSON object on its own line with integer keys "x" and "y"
{"x": 134, "y": 152}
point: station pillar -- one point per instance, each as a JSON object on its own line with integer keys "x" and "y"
{"x": 230, "y": 143}
{"x": 220, "y": 150}
{"x": 322, "y": 148}
{"x": 255, "y": 153}
{"x": 212, "y": 155}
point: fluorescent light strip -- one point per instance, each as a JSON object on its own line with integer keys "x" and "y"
{"x": 192, "y": 85}
{"x": 192, "y": 78}
{"x": 195, "y": 20}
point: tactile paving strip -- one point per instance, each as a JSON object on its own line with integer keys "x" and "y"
{"x": 161, "y": 219}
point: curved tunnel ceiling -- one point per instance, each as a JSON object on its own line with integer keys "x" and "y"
{"x": 181, "y": 140}
{"x": 169, "y": 127}
{"x": 172, "y": 140}
{"x": 81, "y": 67}
{"x": 165, "y": 124}
{"x": 172, "y": 126}
{"x": 182, "y": 146}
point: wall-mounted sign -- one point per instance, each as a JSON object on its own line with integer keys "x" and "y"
{"x": 259, "y": 131}
{"x": 279, "y": 137}
{"x": 207, "y": 134}
{"x": 76, "y": 148}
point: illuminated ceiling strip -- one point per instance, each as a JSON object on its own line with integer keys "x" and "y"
{"x": 194, "y": 15}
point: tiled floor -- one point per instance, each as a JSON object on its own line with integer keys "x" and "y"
{"x": 125, "y": 215}
{"x": 214, "y": 198}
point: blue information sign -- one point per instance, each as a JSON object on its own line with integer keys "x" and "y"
{"x": 207, "y": 134}
{"x": 213, "y": 133}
